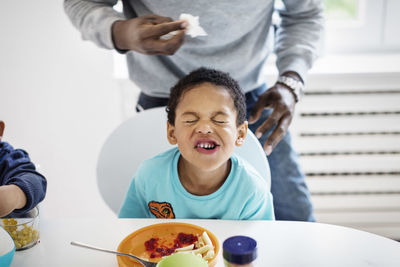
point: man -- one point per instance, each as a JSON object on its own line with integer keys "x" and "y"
{"x": 236, "y": 43}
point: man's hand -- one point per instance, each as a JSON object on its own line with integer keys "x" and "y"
{"x": 282, "y": 100}
{"x": 11, "y": 198}
{"x": 142, "y": 34}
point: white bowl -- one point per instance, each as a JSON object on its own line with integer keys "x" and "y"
{"x": 7, "y": 248}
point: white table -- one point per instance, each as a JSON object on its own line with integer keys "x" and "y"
{"x": 280, "y": 243}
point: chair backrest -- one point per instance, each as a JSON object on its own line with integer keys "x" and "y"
{"x": 144, "y": 136}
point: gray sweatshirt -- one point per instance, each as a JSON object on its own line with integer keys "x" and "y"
{"x": 236, "y": 42}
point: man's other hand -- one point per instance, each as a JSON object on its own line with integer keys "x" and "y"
{"x": 282, "y": 101}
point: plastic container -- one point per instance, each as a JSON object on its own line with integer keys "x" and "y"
{"x": 240, "y": 251}
{"x": 23, "y": 228}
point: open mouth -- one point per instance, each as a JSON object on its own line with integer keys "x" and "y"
{"x": 206, "y": 146}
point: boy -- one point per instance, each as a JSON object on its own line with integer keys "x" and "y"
{"x": 21, "y": 187}
{"x": 202, "y": 178}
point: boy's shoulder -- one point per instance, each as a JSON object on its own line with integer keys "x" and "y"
{"x": 159, "y": 166}
{"x": 243, "y": 165}
{"x": 163, "y": 159}
{"x": 164, "y": 156}
{"x": 247, "y": 171}
{"x": 6, "y": 147}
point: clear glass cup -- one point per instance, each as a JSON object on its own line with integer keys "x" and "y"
{"x": 23, "y": 228}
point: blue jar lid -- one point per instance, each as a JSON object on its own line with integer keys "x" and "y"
{"x": 240, "y": 249}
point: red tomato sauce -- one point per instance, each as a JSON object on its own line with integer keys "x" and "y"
{"x": 157, "y": 250}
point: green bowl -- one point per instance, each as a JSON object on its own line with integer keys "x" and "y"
{"x": 182, "y": 259}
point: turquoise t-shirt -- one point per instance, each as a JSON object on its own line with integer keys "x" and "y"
{"x": 156, "y": 192}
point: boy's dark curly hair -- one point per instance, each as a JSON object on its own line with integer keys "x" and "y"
{"x": 203, "y": 75}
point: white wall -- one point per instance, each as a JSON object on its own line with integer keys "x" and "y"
{"x": 59, "y": 102}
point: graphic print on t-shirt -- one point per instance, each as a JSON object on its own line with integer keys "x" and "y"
{"x": 162, "y": 210}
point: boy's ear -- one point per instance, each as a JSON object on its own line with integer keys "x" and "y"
{"x": 241, "y": 133}
{"x": 171, "y": 133}
{"x": 2, "y": 125}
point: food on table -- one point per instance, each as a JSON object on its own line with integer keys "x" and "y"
{"x": 199, "y": 245}
{"x": 164, "y": 235}
{"x": 23, "y": 235}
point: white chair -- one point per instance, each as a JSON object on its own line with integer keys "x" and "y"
{"x": 144, "y": 136}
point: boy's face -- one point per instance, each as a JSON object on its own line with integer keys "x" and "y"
{"x": 205, "y": 127}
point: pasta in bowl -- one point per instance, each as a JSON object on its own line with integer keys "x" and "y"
{"x": 157, "y": 241}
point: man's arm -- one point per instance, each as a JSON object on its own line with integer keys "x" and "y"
{"x": 296, "y": 45}
{"x": 94, "y": 19}
{"x": 298, "y": 35}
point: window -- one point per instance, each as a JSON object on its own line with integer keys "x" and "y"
{"x": 362, "y": 26}
{"x": 341, "y": 10}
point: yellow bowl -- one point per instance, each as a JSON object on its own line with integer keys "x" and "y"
{"x": 166, "y": 233}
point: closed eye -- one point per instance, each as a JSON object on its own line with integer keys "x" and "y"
{"x": 219, "y": 122}
{"x": 190, "y": 121}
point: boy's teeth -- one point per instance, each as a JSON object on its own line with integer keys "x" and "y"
{"x": 207, "y": 146}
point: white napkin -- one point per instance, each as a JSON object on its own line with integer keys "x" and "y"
{"x": 193, "y": 29}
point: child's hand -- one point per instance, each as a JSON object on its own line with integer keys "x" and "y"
{"x": 2, "y": 125}
{"x": 11, "y": 198}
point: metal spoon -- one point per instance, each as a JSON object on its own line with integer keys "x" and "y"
{"x": 141, "y": 261}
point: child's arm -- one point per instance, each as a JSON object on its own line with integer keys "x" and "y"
{"x": 2, "y": 125}
{"x": 16, "y": 170}
{"x": 11, "y": 198}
